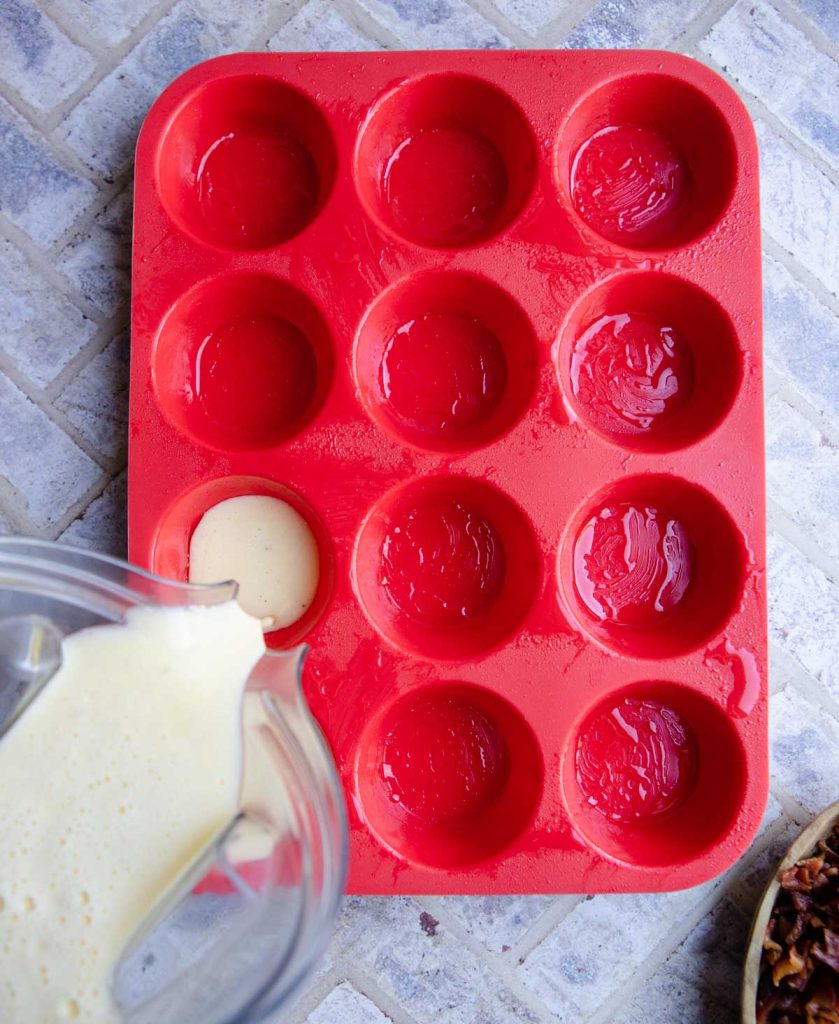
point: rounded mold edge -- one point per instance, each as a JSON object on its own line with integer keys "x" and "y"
{"x": 367, "y": 173}
{"x": 304, "y": 144}
{"x": 700, "y": 620}
{"x": 491, "y": 322}
{"x": 694, "y": 420}
{"x": 561, "y": 148}
{"x": 298, "y": 328}
{"x": 448, "y": 829}
{"x": 434, "y": 629}
{"x": 665, "y": 840}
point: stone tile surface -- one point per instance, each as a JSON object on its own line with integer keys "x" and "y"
{"x": 41, "y": 330}
{"x": 36, "y": 58}
{"x": 347, "y": 1005}
{"x": 622, "y": 24}
{"x": 435, "y": 24}
{"x": 97, "y": 400}
{"x": 319, "y": 26}
{"x": 799, "y": 207}
{"x": 38, "y": 192}
{"x": 767, "y": 56}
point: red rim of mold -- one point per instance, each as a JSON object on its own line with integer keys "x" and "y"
{"x": 709, "y": 798}
{"x": 252, "y": 336}
{"x": 478, "y": 350}
{"x": 701, "y": 329}
{"x": 716, "y": 564}
{"x": 683, "y": 119}
{"x": 453, "y": 128}
{"x": 245, "y": 121}
{"x": 431, "y": 732}
{"x": 416, "y": 534}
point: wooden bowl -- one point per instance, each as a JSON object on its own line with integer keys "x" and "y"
{"x": 809, "y": 839}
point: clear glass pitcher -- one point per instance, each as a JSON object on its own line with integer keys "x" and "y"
{"x": 244, "y": 926}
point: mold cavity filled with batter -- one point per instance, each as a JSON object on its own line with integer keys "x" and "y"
{"x": 635, "y": 759}
{"x": 629, "y": 184}
{"x": 267, "y": 547}
{"x": 632, "y": 564}
{"x": 630, "y": 373}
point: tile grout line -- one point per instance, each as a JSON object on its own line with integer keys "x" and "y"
{"x": 57, "y": 418}
{"x": 561, "y": 907}
{"x": 555, "y": 31}
{"x": 806, "y": 27}
{"x": 500, "y": 964}
{"x": 800, "y": 274}
{"x": 369, "y": 987}
{"x": 687, "y": 41}
{"x": 670, "y": 943}
{"x": 519, "y": 37}
{"x": 781, "y": 522}
{"x": 40, "y": 261}
{"x": 824, "y": 422}
{"x": 369, "y": 26}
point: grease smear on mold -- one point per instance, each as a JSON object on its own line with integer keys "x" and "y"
{"x": 443, "y": 760}
{"x": 443, "y": 374}
{"x": 445, "y": 186}
{"x": 256, "y": 188}
{"x": 745, "y": 675}
{"x": 442, "y": 564}
{"x": 628, "y": 183}
{"x": 632, "y": 564}
{"x": 630, "y": 373}
{"x": 635, "y": 760}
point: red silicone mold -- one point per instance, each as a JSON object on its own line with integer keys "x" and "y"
{"x": 491, "y": 323}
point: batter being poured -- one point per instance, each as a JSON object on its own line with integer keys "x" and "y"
{"x": 121, "y": 771}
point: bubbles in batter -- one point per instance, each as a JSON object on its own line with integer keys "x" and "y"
{"x": 267, "y": 547}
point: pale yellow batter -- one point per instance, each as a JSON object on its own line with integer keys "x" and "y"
{"x": 267, "y": 547}
{"x": 123, "y": 768}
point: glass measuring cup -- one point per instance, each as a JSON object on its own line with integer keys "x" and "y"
{"x": 242, "y": 928}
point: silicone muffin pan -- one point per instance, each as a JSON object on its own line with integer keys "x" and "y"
{"x": 491, "y": 322}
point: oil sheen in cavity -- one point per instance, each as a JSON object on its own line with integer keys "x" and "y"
{"x": 256, "y": 188}
{"x": 442, "y": 563}
{"x": 632, "y": 564}
{"x": 442, "y": 375}
{"x": 628, "y": 184}
{"x": 635, "y": 760}
{"x": 630, "y": 373}
{"x": 445, "y": 186}
{"x": 443, "y": 760}
{"x": 253, "y": 377}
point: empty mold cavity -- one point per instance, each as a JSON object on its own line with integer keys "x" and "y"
{"x": 652, "y": 566}
{"x": 446, "y": 567}
{"x": 446, "y": 361}
{"x": 445, "y": 161}
{"x": 242, "y": 361}
{"x": 655, "y": 775}
{"x": 245, "y": 163}
{"x": 448, "y": 775}
{"x": 170, "y": 555}
{"x": 647, "y": 161}
{"x": 649, "y": 361}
